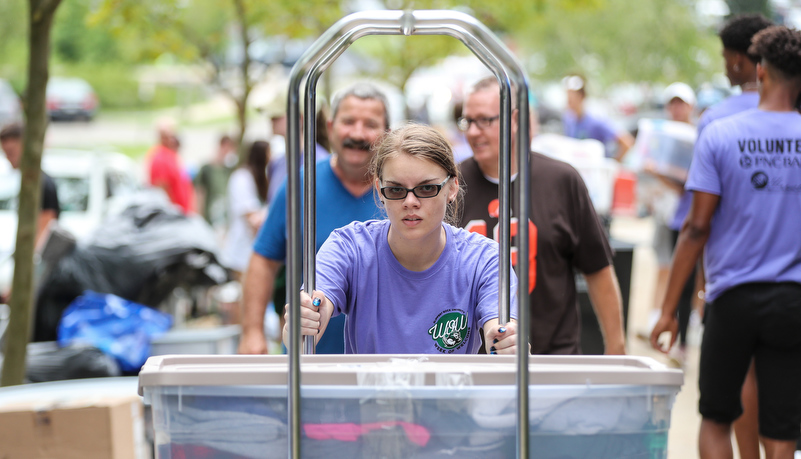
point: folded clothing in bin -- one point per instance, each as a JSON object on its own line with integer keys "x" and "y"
{"x": 228, "y": 433}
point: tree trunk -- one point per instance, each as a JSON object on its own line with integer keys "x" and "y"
{"x": 242, "y": 101}
{"x": 30, "y": 196}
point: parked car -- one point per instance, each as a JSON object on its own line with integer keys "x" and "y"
{"x": 71, "y": 98}
{"x": 10, "y": 106}
{"x": 88, "y": 184}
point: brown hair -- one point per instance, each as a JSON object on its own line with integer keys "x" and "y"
{"x": 258, "y": 157}
{"x": 11, "y": 131}
{"x": 423, "y": 142}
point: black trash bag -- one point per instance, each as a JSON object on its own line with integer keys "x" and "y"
{"x": 48, "y": 362}
{"x": 140, "y": 254}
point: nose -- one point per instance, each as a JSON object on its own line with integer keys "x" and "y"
{"x": 358, "y": 131}
{"x": 411, "y": 200}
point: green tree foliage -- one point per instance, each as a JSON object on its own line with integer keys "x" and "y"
{"x": 13, "y": 41}
{"x": 610, "y": 40}
{"x": 400, "y": 56}
{"x": 209, "y": 32}
{"x": 74, "y": 41}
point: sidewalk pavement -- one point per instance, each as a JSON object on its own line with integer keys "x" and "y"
{"x": 685, "y": 420}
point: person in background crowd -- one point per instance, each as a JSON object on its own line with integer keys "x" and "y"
{"x": 579, "y": 124}
{"x": 568, "y": 232}
{"x": 370, "y": 270}
{"x": 461, "y": 149}
{"x": 277, "y": 172}
{"x": 211, "y": 182}
{"x": 360, "y": 117}
{"x": 11, "y": 137}
{"x": 744, "y": 217}
{"x": 680, "y": 104}
{"x": 165, "y": 170}
{"x": 740, "y": 65}
{"x": 247, "y": 207}
{"x": 277, "y": 113}
{"x": 11, "y": 144}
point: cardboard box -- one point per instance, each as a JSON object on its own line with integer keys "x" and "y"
{"x": 103, "y": 427}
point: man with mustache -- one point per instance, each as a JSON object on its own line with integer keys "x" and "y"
{"x": 360, "y": 117}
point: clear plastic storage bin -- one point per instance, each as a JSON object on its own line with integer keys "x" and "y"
{"x": 373, "y": 406}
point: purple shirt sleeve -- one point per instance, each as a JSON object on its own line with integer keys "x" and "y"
{"x": 704, "y": 174}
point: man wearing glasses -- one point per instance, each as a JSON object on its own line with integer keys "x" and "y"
{"x": 565, "y": 231}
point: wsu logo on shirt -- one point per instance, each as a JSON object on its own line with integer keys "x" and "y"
{"x": 450, "y": 330}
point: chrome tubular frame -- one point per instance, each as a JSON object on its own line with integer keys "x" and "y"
{"x": 301, "y": 251}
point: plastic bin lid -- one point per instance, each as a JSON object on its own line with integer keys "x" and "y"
{"x": 374, "y": 369}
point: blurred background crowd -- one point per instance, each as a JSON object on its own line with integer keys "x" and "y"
{"x": 166, "y": 140}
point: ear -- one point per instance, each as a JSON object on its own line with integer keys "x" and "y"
{"x": 453, "y": 190}
{"x": 760, "y": 71}
{"x": 742, "y": 61}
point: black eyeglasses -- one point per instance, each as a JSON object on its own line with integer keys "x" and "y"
{"x": 483, "y": 123}
{"x": 396, "y": 193}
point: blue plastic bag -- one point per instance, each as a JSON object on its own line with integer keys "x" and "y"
{"x": 116, "y": 326}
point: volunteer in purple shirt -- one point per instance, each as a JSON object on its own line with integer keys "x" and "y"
{"x": 746, "y": 178}
{"x": 740, "y": 65}
{"x": 579, "y": 124}
{"x": 411, "y": 284}
{"x": 741, "y": 71}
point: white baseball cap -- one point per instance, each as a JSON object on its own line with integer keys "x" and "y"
{"x": 680, "y": 90}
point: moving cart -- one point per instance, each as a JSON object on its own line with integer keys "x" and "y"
{"x": 384, "y": 406}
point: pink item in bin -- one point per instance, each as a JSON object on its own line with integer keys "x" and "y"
{"x": 349, "y": 431}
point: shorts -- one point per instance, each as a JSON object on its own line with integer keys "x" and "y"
{"x": 763, "y": 321}
{"x": 663, "y": 244}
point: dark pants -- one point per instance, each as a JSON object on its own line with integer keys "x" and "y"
{"x": 685, "y": 300}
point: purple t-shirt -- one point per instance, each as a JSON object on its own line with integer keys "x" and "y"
{"x": 392, "y": 310}
{"x": 752, "y": 160}
{"x": 727, "y": 107}
{"x": 589, "y": 127}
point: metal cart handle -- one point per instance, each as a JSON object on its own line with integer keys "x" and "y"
{"x": 301, "y": 252}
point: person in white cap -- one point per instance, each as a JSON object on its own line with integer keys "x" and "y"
{"x": 579, "y": 124}
{"x": 680, "y": 104}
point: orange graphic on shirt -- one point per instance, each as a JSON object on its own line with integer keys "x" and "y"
{"x": 480, "y": 227}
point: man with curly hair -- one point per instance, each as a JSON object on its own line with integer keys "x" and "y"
{"x": 747, "y": 175}
{"x": 740, "y": 65}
